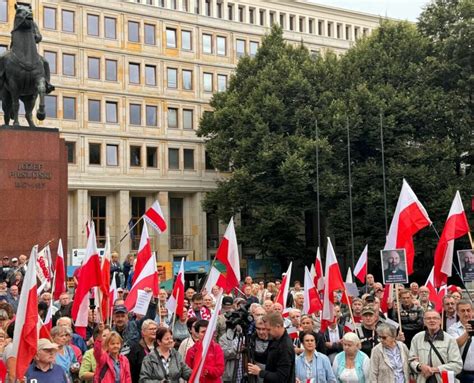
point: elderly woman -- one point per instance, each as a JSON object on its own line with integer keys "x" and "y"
{"x": 351, "y": 365}
{"x": 389, "y": 359}
{"x": 65, "y": 357}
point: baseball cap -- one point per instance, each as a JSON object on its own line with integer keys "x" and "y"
{"x": 227, "y": 301}
{"x": 14, "y": 259}
{"x": 368, "y": 310}
{"x": 120, "y": 309}
{"x": 46, "y": 344}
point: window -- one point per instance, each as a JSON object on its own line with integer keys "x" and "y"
{"x": 94, "y": 110}
{"x": 51, "y": 58}
{"x": 51, "y": 106}
{"x": 240, "y": 48}
{"x": 176, "y": 223}
{"x": 92, "y": 25}
{"x": 99, "y": 214}
{"x": 71, "y": 152}
{"x": 187, "y": 119}
{"x": 301, "y": 24}
{"x": 111, "y": 70}
{"x": 207, "y": 8}
{"x": 208, "y": 162}
{"x": 172, "y": 118}
{"x": 151, "y": 157}
{"x": 150, "y": 34}
{"x": 253, "y": 48}
{"x": 133, "y": 31}
{"x": 348, "y": 32}
{"x": 173, "y": 159}
{"x": 111, "y": 112}
{"x": 172, "y": 78}
{"x": 329, "y": 31}
{"x": 230, "y": 12}
{"x": 67, "y": 21}
{"x": 173, "y": 4}
{"x": 251, "y": 15}
{"x": 188, "y": 159}
{"x": 320, "y": 27}
{"x": 150, "y": 75}
{"x": 219, "y": 10}
{"x": 282, "y": 20}
{"x": 185, "y": 5}
{"x": 110, "y": 24}
{"x": 135, "y": 156}
{"x": 241, "y": 14}
{"x": 187, "y": 79}
{"x": 69, "y": 64}
{"x": 292, "y": 23}
{"x": 49, "y": 18}
{"x": 3, "y": 48}
{"x": 4, "y": 10}
{"x": 134, "y": 73}
{"x": 272, "y": 18}
{"x": 94, "y": 154}
{"x": 151, "y": 112}
{"x": 339, "y": 31}
{"x": 207, "y": 82}
{"x": 262, "y": 17}
{"x": 93, "y": 67}
{"x": 135, "y": 114}
{"x": 311, "y": 26}
{"x": 207, "y": 44}
{"x": 111, "y": 155}
{"x": 221, "y": 82}
{"x": 221, "y": 46}
{"x": 69, "y": 108}
{"x": 186, "y": 40}
{"x": 170, "y": 38}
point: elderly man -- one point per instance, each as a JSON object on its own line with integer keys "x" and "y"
{"x": 424, "y": 297}
{"x": 450, "y": 316}
{"x": 127, "y": 329}
{"x": 433, "y": 351}
{"x": 43, "y": 368}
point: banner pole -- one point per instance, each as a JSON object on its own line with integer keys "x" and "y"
{"x": 398, "y": 307}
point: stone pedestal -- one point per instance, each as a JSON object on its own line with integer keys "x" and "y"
{"x": 33, "y": 190}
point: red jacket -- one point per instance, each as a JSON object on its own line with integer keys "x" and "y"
{"x": 103, "y": 358}
{"x": 213, "y": 367}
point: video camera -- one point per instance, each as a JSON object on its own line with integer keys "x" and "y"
{"x": 239, "y": 317}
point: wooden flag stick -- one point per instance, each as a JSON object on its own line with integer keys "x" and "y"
{"x": 175, "y": 313}
{"x": 398, "y": 307}
{"x": 350, "y": 308}
{"x": 470, "y": 239}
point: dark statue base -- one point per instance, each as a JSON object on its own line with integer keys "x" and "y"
{"x": 33, "y": 190}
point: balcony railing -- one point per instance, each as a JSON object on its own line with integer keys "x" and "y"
{"x": 181, "y": 242}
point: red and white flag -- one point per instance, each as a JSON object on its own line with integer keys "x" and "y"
{"x": 456, "y": 226}
{"x": 89, "y": 277}
{"x": 175, "y": 302}
{"x": 25, "y": 336}
{"x": 311, "y": 303}
{"x": 200, "y": 357}
{"x": 155, "y": 217}
{"x": 293, "y": 332}
{"x": 410, "y": 217}
{"x": 144, "y": 253}
{"x": 387, "y": 297}
{"x": 318, "y": 269}
{"x": 334, "y": 283}
{"x": 282, "y": 295}
{"x": 89, "y": 227}
{"x": 46, "y": 326}
{"x": 228, "y": 254}
{"x": 448, "y": 376}
{"x": 59, "y": 283}
{"x": 215, "y": 278}
{"x": 105, "y": 287}
{"x": 113, "y": 294}
{"x": 349, "y": 326}
{"x": 360, "y": 269}
{"x": 436, "y": 296}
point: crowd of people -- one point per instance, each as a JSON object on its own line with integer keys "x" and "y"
{"x": 255, "y": 338}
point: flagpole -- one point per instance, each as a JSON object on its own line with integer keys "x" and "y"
{"x": 470, "y": 239}
{"x": 350, "y": 189}
{"x": 383, "y": 173}
{"x": 175, "y": 314}
{"x": 398, "y": 307}
{"x": 128, "y": 232}
{"x": 317, "y": 185}
{"x": 350, "y": 308}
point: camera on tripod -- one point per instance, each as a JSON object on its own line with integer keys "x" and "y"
{"x": 240, "y": 317}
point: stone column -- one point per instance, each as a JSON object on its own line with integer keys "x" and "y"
{"x": 198, "y": 226}
{"x": 162, "y": 242}
{"x": 83, "y": 214}
{"x": 122, "y": 217}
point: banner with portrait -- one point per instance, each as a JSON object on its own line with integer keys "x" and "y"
{"x": 394, "y": 266}
{"x": 466, "y": 264}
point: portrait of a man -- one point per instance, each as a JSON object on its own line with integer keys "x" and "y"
{"x": 394, "y": 266}
{"x": 466, "y": 263}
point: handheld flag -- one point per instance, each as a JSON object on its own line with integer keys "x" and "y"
{"x": 360, "y": 270}
{"x": 228, "y": 254}
{"x": 155, "y": 217}
{"x": 59, "y": 284}
{"x": 175, "y": 302}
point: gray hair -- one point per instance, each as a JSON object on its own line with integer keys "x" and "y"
{"x": 147, "y": 323}
{"x": 58, "y": 330}
{"x": 385, "y": 328}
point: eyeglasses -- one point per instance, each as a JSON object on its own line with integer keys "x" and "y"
{"x": 383, "y": 337}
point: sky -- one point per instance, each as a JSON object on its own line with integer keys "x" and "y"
{"x": 398, "y": 9}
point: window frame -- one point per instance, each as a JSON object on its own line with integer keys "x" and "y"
{"x": 90, "y": 16}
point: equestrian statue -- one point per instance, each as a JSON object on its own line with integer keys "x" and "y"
{"x": 24, "y": 74}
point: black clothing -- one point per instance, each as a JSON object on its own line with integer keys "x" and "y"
{"x": 138, "y": 351}
{"x": 335, "y": 348}
{"x": 280, "y": 366}
{"x": 368, "y": 339}
{"x": 412, "y": 321}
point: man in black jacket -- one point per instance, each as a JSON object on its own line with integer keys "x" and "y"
{"x": 280, "y": 367}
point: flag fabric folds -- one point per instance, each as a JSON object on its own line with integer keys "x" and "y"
{"x": 311, "y": 303}
{"x": 59, "y": 283}
{"x": 154, "y": 216}
{"x": 318, "y": 270}
{"x": 282, "y": 295}
{"x": 144, "y": 253}
{"x": 175, "y": 303}
{"x": 360, "y": 269}
{"x": 228, "y": 254}
{"x": 105, "y": 286}
{"x": 215, "y": 278}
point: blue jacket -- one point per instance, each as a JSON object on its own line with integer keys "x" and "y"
{"x": 321, "y": 370}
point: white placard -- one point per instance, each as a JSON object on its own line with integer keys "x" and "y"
{"x": 143, "y": 301}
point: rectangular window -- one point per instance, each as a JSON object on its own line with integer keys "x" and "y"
{"x": 185, "y": 4}
{"x": 207, "y": 44}
{"x": 94, "y": 154}
{"x": 188, "y": 159}
{"x": 339, "y": 31}
{"x": 51, "y": 58}
{"x": 133, "y": 32}
{"x": 187, "y": 79}
{"x": 301, "y": 24}
{"x": 186, "y": 40}
{"x": 111, "y": 112}
{"x": 4, "y": 10}
{"x": 51, "y": 106}
{"x": 171, "y": 38}
{"x": 110, "y": 24}
{"x": 173, "y": 4}
{"x": 348, "y": 32}
{"x": 172, "y": 118}
{"x": 241, "y": 14}
{"x": 135, "y": 156}
{"x": 69, "y": 108}
{"x": 208, "y": 162}
{"x": 71, "y": 152}
{"x": 311, "y": 26}
{"x": 262, "y": 17}
{"x": 111, "y": 70}
{"x": 207, "y": 82}
{"x": 253, "y": 48}
{"x": 134, "y": 73}
{"x": 49, "y": 18}
{"x": 219, "y": 10}
{"x": 111, "y": 155}
{"x": 188, "y": 119}
{"x": 282, "y": 20}
{"x": 93, "y": 67}
{"x": 221, "y": 82}
{"x": 67, "y": 21}
{"x": 135, "y": 114}
{"x": 272, "y": 18}
{"x": 172, "y": 78}
{"x": 240, "y": 48}
{"x": 230, "y": 12}
{"x": 329, "y": 31}
{"x": 92, "y": 25}
{"x": 94, "y": 110}
{"x": 252, "y": 16}
{"x": 99, "y": 214}
{"x": 207, "y": 8}
{"x": 176, "y": 223}
{"x": 221, "y": 46}
{"x": 173, "y": 158}
{"x": 151, "y": 157}
{"x": 292, "y": 23}
{"x": 150, "y": 75}
{"x": 151, "y": 115}
{"x": 150, "y": 34}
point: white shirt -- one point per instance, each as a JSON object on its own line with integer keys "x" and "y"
{"x": 456, "y": 330}
{"x": 450, "y": 321}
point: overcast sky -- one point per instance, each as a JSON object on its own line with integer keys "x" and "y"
{"x": 398, "y": 9}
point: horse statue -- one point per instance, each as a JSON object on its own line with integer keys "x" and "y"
{"x": 24, "y": 74}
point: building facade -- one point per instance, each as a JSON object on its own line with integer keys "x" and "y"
{"x": 133, "y": 79}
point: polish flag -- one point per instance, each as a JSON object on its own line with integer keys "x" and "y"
{"x": 386, "y": 297}
{"x": 148, "y": 277}
{"x": 144, "y": 253}
{"x": 175, "y": 302}
{"x": 59, "y": 284}
{"x": 105, "y": 287}
{"x": 89, "y": 228}
{"x": 46, "y": 326}
{"x": 154, "y": 216}
{"x": 113, "y": 294}
{"x": 349, "y": 326}
{"x": 318, "y": 268}
{"x": 410, "y": 217}
{"x": 89, "y": 277}
{"x": 282, "y": 295}
{"x": 215, "y": 278}
{"x": 311, "y": 303}
{"x": 201, "y": 356}
{"x": 228, "y": 254}
{"x": 360, "y": 270}
{"x": 334, "y": 282}
{"x": 25, "y": 336}
{"x": 456, "y": 226}
{"x": 448, "y": 376}
{"x": 293, "y": 332}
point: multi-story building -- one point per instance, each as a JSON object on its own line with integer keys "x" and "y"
{"x": 132, "y": 81}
